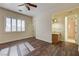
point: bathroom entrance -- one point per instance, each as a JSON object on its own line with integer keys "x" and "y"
{"x": 71, "y": 28}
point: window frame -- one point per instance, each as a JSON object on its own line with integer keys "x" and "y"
{"x": 16, "y": 24}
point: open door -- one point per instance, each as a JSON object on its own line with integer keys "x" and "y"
{"x": 71, "y": 28}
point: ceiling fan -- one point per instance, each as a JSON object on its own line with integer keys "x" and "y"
{"x": 27, "y": 5}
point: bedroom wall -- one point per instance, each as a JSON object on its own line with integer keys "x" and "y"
{"x": 43, "y": 27}
{"x": 43, "y": 24}
{"x": 61, "y": 19}
{"x": 77, "y": 29}
{"x": 12, "y": 36}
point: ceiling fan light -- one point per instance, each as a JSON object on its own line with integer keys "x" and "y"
{"x": 20, "y": 10}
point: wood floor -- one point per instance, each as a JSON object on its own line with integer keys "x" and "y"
{"x": 35, "y": 47}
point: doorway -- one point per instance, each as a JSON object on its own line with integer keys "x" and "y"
{"x": 70, "y": 28}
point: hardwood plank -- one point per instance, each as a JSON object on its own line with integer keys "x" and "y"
{"x": 41, "y": 48}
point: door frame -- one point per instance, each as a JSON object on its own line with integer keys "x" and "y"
{"x": 66, "y": 36}
{"x": 66, "y": 22}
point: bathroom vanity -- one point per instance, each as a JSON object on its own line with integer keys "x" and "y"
{"x": 56, "y": 38}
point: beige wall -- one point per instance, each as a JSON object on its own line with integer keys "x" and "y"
{"x": 43, "y": 27}
{"x": 6, "y": 37}
{"x": 77, "y": 30}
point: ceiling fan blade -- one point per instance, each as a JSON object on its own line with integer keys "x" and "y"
{"x": 33, "y": 5}
{"x": 27, "y": 7}
{"x": 21, "y": 5}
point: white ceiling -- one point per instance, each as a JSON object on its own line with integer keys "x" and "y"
{"x": 41, "y": 7}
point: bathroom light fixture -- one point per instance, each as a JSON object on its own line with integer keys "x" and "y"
{"x": 54, "y": 20}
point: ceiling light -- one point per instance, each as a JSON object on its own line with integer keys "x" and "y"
{"x": 20, "y": 10}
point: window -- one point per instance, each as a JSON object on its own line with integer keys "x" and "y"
{"x": 23, "y": 25}
{"x": 8, "y": 25}
{"x": 13, "y": 25}
{"x": 19, "y": 25}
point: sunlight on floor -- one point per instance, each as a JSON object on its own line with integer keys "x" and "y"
{"x": 71, "y": 40}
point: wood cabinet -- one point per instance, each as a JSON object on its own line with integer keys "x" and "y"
{"x": 56, "y": 38}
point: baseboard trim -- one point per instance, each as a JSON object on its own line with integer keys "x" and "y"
{"x": 16, "y": 40}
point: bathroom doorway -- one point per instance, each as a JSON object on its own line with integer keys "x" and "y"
{"x": 71, "y": 28}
